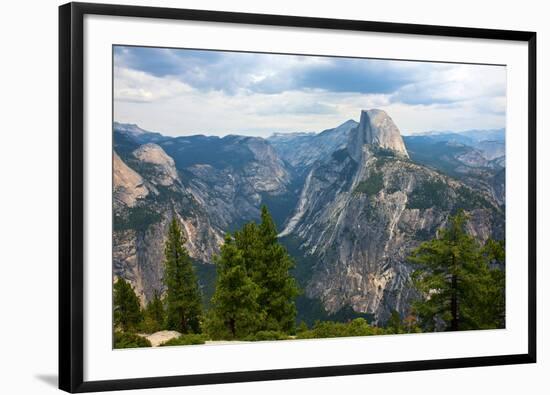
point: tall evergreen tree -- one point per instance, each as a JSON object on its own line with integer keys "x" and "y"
{"x": 492, "y": 299}
{"x": 461, "y": 290}
{"x": 395, "y": 324}
{"x": 127, "y": 311}
{"x": 269, "y": 264}
{"x": 249, "y": 242}
{"x": 235, "y": 312}
{"x": 183, "y": 300}
{"x": 154, "y": 315}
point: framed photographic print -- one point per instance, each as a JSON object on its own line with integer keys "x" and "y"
{"x": 251, "y": 197}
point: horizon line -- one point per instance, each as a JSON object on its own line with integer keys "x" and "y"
{"x": 270, "y": 133}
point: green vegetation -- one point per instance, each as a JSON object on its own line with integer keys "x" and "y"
{"x": 185, "y": 340}
{"x": 138, "y": 218}
{"x": 357, "y": 327}
{"x": 431, "y": 193}
{"x": 303, "y": 264}
{"x": 382, "y": 152}
{"x": 253, "y": 298}
{"x": 266, "y": 335}
{"x": 340, "y": 155}
{"x": 235, "y": 310}
{"x": 462, "y": 283}
{"x": 206, "y": 274}
{"x": 183, "y": 300}
{"x": 397, "y": 325}
{"x": 270, "y": 268}
{"x": 467, "y": 199}
{"x": 129, "y": 340}
{"x": 312, "y": 310}
{"x": 254, "y": 290}
{"x": 126, "y": 310}
{"x": 153, "y": 315}
{"x": 281, "y": 206}
{"x": 372, "y": 185}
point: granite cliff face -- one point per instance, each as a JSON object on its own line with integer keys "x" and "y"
{"x": 354, "y": 200}
{"x": 234, "y": 179}
{"x": 477, "y": 158}
{"x": 128, "y": 185}
{"x": 375, "y": 128}
{"x": 145, "y": 199}
{"x": 363, "y": 210}
{"x": 221, "y": 187}
{"x": 302, "y": 150}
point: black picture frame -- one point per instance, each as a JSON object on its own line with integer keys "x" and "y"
{"x": 71, "y": 203}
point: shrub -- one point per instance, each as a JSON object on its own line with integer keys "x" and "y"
{"x": 430, "y": 193}
{"x": 137, "y": 218}
{"x": 340, "y": 155}
{"x": 302, "y": 327}
{"x": 384, "y": 152}
{"x": 130, "y": 340}
{"x": 326, "y": 329}
{"x": 186, "y": 340}
{"x": 266, "y": 335}
{"x": 215, "y": 328}
{"x": 469, "y": 200}
{"x": 149, "y": 325}
{"x": 372, "y": 185}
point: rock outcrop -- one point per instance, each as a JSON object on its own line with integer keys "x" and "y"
{"x": 208, "y": 194}
{"x": 378, "y": 129}
{"x": 365, "y": 208}
{"x": 302, "y": 150}
{"x": 127, "y": 184}
{"x": 164, "y": 172}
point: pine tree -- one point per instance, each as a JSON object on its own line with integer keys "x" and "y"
{"x": 183, "y": 300}
{"x": 127, "y": 311}
{"x": 487, "y": 306}
{"x": 461, "y": 290}
{"x": 154, "y": 314}
{"x": 269, "y": 266}
{"x": 395, "y": 324}
{"x": 249, "y": 242}
{"x": 235, "y": 312}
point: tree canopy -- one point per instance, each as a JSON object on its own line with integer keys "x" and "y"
{"x": 461, "y": 282}
{"x": 183, "y": 300}
{"x": 253, "y": 262}
{"x": 154, "y": 315}
{"x": 235, "y": 310}
{"x": 127, "y": 312}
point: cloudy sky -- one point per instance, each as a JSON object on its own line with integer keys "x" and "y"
{"x": 182, "y": 92}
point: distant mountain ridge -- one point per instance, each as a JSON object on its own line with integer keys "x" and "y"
{"x": 466, "y": 136}
{"x": 302, "y": 150}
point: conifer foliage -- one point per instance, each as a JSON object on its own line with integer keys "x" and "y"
{"x": 153, "y": 315}
{"x": 462, "y": 282}
{"x": 183, "y": 299}
{"x": 272, "y": 273}
{"x": 255, "y": 290}
{"x": 127, "y": 313}
{"x": 235, "y": 312}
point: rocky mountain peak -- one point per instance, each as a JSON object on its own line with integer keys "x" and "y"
{"x": 154, "y": 154}
{"x": 376, "y": 128}
{"x": 129, "y": 128}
